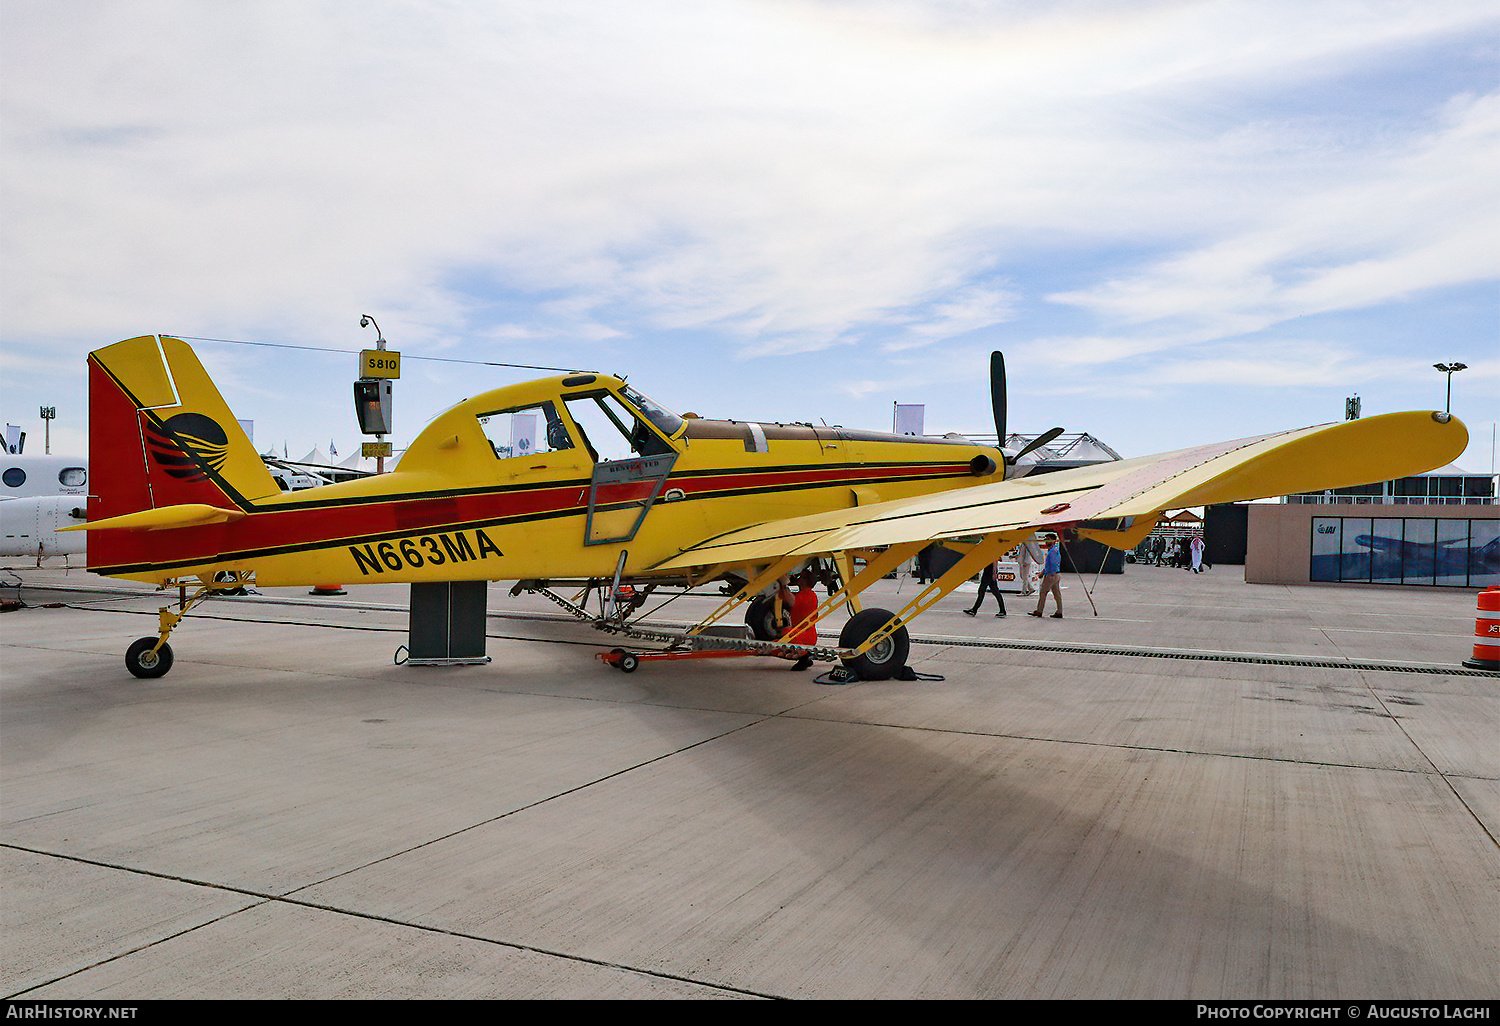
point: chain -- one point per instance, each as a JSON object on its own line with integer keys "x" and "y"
{"x": 676, "y": 639}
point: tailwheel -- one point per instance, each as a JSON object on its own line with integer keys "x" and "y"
{"x": 144, "y": 659}
{"x": 884, "y": 658}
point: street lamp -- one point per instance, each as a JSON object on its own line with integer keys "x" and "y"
{"x": 1449, "y": 369}
{"x": 372, "y": 393}
{"x": 365, "y": 320}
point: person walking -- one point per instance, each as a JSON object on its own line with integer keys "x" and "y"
{"x": 1051, "y": 579}
{"x": 1197, "y": 551}
{"x": 1027, "y": 558}
{"x": 987, "y": 582}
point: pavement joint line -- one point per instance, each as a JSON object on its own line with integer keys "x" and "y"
{"x": 1146, "y": 748}
{"x": 950, "y": 641}
{"x": 540, "y": 801}
{"x": 287, "y": 899}
{"x": 1330, "y": 694}
{"x": 1205, "y": 655}
{"x": 1371, "y": 630}
{"x": 1416, "y": 746}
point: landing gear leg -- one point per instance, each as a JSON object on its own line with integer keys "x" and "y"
{"x": 151, "y": 657}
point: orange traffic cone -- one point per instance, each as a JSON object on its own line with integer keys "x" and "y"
{"x": 1487, "y": 632}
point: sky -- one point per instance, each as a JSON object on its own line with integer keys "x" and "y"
{"x": 1180, "y": 221}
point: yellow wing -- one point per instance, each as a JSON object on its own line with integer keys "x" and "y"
{"x": 1307, "y": 459}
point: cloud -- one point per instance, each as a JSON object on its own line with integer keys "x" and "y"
{"x": 1423, "y": 218}
{"x": 772, "y": 168}
{"x": 861, "y": 184}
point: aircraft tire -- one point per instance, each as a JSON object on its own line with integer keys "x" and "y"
{"x": 882, "y": 661}
{"x": 144, "y": 663}
{"x": 225, "y": 577}
{"x": 761, "y": 619}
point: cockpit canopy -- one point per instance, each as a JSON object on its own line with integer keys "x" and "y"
{"x": 611, "y": 421}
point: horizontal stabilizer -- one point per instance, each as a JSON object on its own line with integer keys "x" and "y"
{"x": 192, "y": 514}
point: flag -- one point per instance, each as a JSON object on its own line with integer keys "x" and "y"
{"x": 908, "y": 419}
{"x": 522, "y": 434}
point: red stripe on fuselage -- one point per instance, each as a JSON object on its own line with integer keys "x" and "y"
{"x": 340, "y": 522}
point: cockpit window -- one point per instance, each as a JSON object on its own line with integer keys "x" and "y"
{"x": 665, "y": 420}
{"x": 612, "y": 430}
{"x": 525, "y": 431}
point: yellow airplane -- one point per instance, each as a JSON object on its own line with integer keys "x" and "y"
{"x": 582, "y": 479}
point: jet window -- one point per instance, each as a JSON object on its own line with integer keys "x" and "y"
{"x": 611, "y": 430}
{"x": 72, "y": 477}
{"x": 14, "y": 477}
{"x": 525, "y": 431}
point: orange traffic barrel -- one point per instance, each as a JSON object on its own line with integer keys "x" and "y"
{"x": 1487, "y": 632}
{"x": 328, "y": 589}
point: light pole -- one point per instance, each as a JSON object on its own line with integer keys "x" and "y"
{"x": 1449, "y": 369}
{"x": 381, "y": 387}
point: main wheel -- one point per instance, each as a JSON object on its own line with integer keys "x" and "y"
{"x": 228, "y": 577}
{"x": 761, "y": 619}
{"x": 883, "y": 660}
{"x": 143, "y": 662}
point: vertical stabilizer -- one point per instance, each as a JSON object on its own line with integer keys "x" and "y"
{"x": 161, "y": 435}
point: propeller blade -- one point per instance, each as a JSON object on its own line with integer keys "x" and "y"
{"x": 997, "y": 395}
{"x": 1039, "y": 441}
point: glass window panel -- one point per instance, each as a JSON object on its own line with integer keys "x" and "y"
{"x": 665, "y": 420}
{"x": 1325, "y": 549}
{"x": 1354, "y": 564}
{"x": 1418, "y": 551}
{"x": 1385, "y": 551}
{"x": 612, "y": 429}
{"x": 1484, "y": 553}
{"x": 1451, "y": 558}
{"x": 525, "y": 431}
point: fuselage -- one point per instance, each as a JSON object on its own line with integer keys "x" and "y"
{"x": 552, "y": 479}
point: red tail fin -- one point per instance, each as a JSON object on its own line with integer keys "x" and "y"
{"x": 160, "y": 435}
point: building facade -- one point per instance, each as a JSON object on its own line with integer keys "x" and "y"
{"x": 1434, "y": 544}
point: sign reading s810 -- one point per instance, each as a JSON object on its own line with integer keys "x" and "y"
{"x": 379, "y": 363}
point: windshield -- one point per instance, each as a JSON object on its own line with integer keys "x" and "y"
{"x": 667, "y": 422}
{"x": 612, "y": 430}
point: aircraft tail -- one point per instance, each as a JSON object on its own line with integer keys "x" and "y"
{"x": 161, "y": 436}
